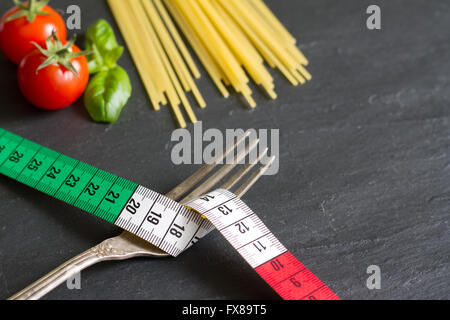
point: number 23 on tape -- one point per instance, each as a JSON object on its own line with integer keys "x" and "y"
{"x": 157, "y": 218}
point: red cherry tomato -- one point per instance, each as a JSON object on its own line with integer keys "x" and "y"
{"x": 53, "y": 87}
{"x": 16, "y": 35}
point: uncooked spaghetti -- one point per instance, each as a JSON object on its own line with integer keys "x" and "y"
{"x": 234, "y": 40}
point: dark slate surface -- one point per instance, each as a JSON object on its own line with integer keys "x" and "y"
{"x": 364, "y": 172}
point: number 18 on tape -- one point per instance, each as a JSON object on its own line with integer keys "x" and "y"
{"x": 157, "y": 218}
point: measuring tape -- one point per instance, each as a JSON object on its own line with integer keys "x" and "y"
{"x": 161, "y": 221}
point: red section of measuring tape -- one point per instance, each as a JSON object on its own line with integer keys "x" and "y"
{"x": 260, "y": 248}
{"x": 292, "y": 280}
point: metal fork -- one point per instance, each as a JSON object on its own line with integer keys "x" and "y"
{"x": 127, "y": 245}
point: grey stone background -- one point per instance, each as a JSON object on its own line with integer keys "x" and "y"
{"x": 364, "y": 165}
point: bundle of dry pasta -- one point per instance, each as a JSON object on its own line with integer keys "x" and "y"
{"x": 232, "y": 38}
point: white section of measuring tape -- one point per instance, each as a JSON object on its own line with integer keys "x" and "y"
{"x": 159, "y": 220}
{"x": 162, "y": 221}
{"x": 240, "y": 226}
{"x": 174, "y": 228}
{"x": 260, "y": 248}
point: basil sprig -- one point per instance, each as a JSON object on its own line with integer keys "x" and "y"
{"x": 107, "y": 93}
{"x": 110, "y": 88}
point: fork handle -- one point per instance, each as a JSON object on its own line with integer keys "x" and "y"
{"x": 59, "y": 275}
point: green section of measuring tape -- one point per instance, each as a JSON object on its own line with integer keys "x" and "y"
{"x": 76, "y": 183}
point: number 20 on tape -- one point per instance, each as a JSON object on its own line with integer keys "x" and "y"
{"x": 158, "y": 219}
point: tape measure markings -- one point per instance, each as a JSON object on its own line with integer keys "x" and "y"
{"x": 29, "y": 162}
{"x": 292, "y": 280}
{"x": 39, "y": 168}
{"x": 158, "y": 219}
{"x": 259, "y": 247}
{"x": 70, "y": 175}
{"x": 64, "y": 178}
{"x": 220, "y": 205}
{"x": 104, "y": 196}
{"x": 193, "y": 240}
{"x": 156, "y": 199}
{"x": 6, "y": 170}
{"x": 170, "y": 225}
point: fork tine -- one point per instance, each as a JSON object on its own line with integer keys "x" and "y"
{"x": 242, "y": 190}
{"x": 220, "y": 174}
{"x": 139, "y": 247}
{"x": 190, "y": 182}
{"x": 242, "y": 172}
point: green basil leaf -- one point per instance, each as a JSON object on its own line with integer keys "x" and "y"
{"x": 107, "y": 94}
{"x": 95, "y": 60}
{"x": 112, "y": 56}
{"x": 100, "y": 39}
